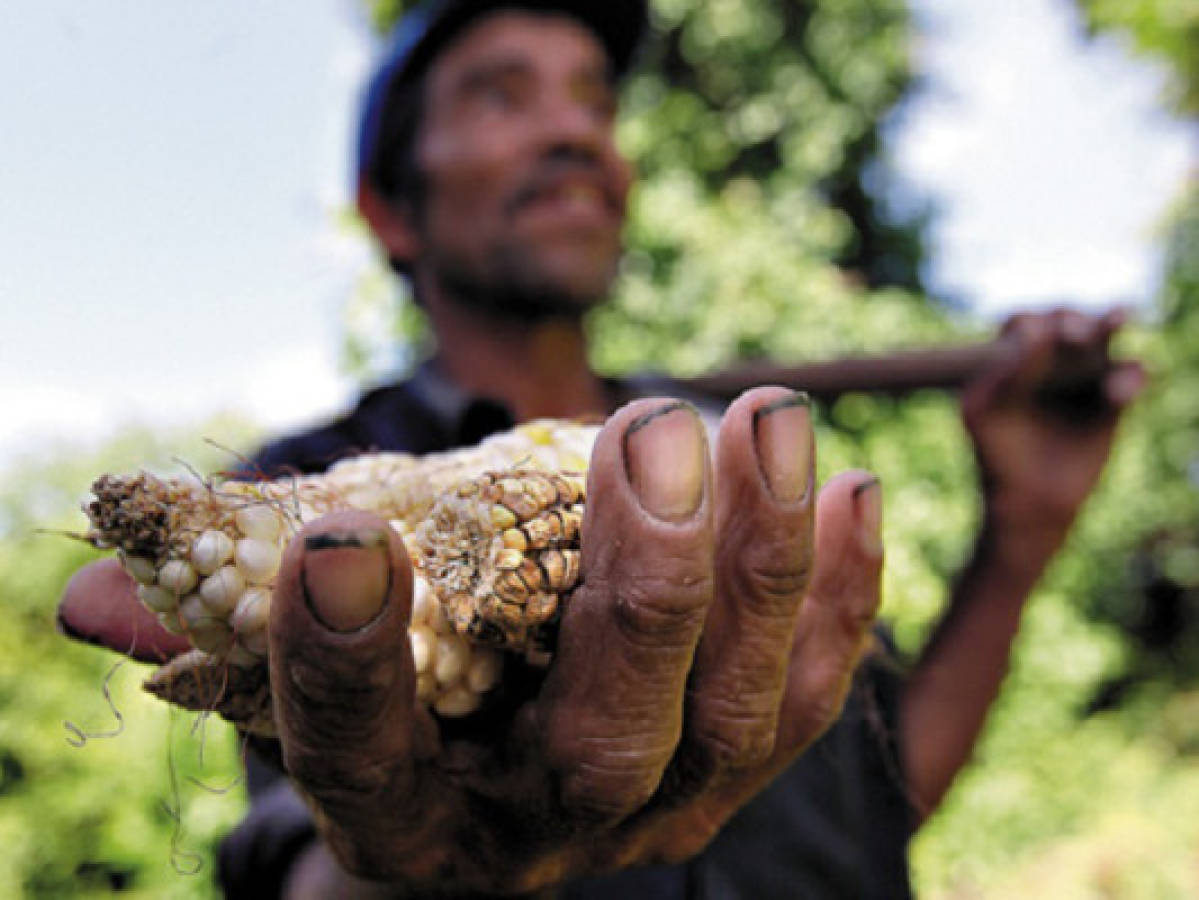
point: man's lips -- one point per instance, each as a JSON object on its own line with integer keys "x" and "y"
{"x": 573, "y": 194}
{"x": 575, "y": 201}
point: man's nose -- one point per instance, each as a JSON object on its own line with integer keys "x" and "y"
{"x": 569, "y": 121}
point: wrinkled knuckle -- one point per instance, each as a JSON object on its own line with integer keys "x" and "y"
{"x": 856, "y": 616}
{"x": 337, "y": 710}
{"x": 329, "y": 682}
{"x": 824, "y": 695}
{"x": 602, "y": 795}
{"x": 334, "y": 776}
{"x": 776, "y": 584}
{"x": 735, "y": 742}
{"x": 306, "y": 765}
{"x": 661, "y": 611}
{"x": 850, "y": 596}
{"x": 772, "y": 572}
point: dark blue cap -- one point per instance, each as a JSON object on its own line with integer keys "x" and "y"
{"x": 422, "y": 33}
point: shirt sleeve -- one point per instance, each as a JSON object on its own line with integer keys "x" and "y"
{"x": 255, "y": 858}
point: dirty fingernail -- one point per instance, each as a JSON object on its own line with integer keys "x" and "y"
{"x": 665, "y": 454}
{"x": 868, "y": 508}
{"x": 346, "y": 577}
{"x": 783, "y": 438}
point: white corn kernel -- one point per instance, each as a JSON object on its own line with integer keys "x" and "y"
{"x": 423, "y": 601}
{"x": 211, "y": 550}
{"x": 256, "y": 642}
{"x": 177, "y": 576}
{"x": 195, "y": 615}
{"x": 486, "y": 667}
{"x": 221, "y": 590}
{"x": 252, "y": 612}
{"x": 459, "y": 700}
{"x": 456, "y": 512}
{"x": 158, "y": 599}
{"x": 424, "y": 643}
{"x": 260, "y": 522}
{"x": 171, "y": 621}
{"x": 140, "y": 568}
{"x": 451, "y": 658}
{"x": 438, "y": 621}
{"x": 257, "y": 560}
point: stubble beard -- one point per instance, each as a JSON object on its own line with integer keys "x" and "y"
{"x": 513, "y": 285}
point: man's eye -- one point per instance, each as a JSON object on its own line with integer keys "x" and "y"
{"x": 602, "y": 103}
{"x": 499, "y": 95}
{"x": 606, "y": 106}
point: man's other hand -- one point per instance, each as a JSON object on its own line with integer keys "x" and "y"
{"x": 1040, "y": 433}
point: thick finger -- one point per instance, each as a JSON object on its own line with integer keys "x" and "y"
{"x": 612, "y": 705}
{"x": 344, "y": 683}
{"x": 1124, "y": 384}
{"x": 834, "y": 625}
{"x": 832, "y": 628}
{"x": 765, "y": 461}
{"x": 1030, "y": 341}
{"x": 1115, "y": 319}
{"x": 99, "y": 606}
{"x": 1076, "y": 329}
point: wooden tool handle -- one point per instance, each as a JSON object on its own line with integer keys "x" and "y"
{"x": 1075, "y": 375}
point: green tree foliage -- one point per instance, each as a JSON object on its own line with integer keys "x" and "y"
{"x": 1087, "y": 780}
{"x": 1165, "y": 29}
{"x": 1151, "y": 587}
{"x": 136, "y": 807}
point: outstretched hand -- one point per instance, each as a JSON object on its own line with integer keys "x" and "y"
{"x": 721, "y": 616}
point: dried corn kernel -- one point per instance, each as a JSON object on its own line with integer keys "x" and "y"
{"x": 257, "y": 559}
{"x": 158, "y": 599}
{"x": 211, "y": 550}
{"x": 140, "y": 568}
{"x": 250, "y": 616}
{"x": 177, "y": 576}
{"x": 221, "y": 590}
{"x": 492, "y": 531}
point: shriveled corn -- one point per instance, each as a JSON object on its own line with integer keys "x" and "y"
{"x": 492, "y": 532}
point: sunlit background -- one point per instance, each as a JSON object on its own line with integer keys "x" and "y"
{"x": 174, "y": 177}
{"x": 179, "y": 262}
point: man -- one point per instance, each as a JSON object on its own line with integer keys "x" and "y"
{"x": 724, "y": 608}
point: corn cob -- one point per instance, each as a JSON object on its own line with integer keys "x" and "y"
{"x": 492, "y": 532}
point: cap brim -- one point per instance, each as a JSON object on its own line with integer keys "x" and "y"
{"x": 620, "y": 25}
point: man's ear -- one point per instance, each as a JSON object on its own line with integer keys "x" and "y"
{"x": 392, "y": 227}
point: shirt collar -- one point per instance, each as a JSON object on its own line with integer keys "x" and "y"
{"x": 466, "y": 419}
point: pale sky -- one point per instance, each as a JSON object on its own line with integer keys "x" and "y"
{"x": 1051, "y": 157}
{"x": 172, "y": 172}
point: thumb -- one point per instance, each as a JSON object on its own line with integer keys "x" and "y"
{"x": 99, "y": 606}
{"x": 344, "y": 683}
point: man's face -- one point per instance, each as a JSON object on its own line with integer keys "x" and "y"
{"x": 524, "y": 191}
